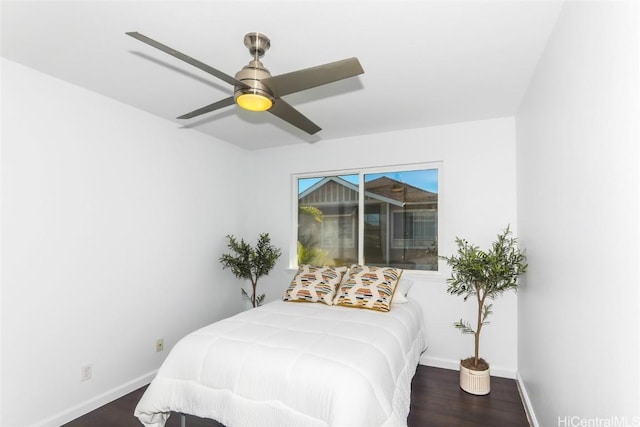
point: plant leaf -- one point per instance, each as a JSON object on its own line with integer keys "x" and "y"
{"x": 465, "y": 327}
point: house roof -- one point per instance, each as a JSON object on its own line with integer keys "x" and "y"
{"x": 385, "y": 189}
{"x": 324, "y": 181}
{"x": 399, "y": 191}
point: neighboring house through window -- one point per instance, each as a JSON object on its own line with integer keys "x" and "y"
{"x": 392, "y": 221}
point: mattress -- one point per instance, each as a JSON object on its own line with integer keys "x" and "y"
{"x": 293, "y": 364}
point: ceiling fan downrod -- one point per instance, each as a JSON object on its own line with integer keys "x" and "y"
{"x": 257, "y": 96}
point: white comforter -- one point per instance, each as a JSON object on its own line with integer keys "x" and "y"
{"x": 289, "y": 364}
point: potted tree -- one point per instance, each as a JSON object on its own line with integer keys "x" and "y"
{"x": 247, "y": 262}
{"x": 483, "y": 275}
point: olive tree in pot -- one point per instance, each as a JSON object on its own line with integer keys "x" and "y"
{"x": 484, "y": 276}
{"x": 251, "y": 263}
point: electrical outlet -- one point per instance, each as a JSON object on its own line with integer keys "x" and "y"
{"x": 159, "y": 344}
{"x": 85, "y": 372}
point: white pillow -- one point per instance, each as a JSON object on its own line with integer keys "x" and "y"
{"x": 400, "y": 296}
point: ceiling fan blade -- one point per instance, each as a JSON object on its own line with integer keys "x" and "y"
{"x": 289, "y": 114}
{"x": 296, "y": 81}
{"x": 211, "y": 107}
{"x": 189, "y": 60}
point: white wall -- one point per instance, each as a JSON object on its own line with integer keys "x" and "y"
{"x": 477, "y": 201}
{"x": 578, "y": 216}
{"x": 112, "y": 223}
{"x": 113, "y": 220}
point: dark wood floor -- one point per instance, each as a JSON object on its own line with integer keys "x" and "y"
{"x": 436, "y": 401}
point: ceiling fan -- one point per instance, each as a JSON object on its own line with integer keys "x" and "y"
{"x": 255, "y": 89}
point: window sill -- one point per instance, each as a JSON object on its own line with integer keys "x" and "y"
{"x": 417, "y": 275}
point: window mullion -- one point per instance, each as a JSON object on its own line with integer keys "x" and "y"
{"x": 361, "y": 218}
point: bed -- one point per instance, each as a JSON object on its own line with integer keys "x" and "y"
{"x": 293, "y": 364}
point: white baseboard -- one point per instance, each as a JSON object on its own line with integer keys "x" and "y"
{"x": 87, "y": 406}
{"x": 436, "y": 362}
{"x": 526, "y": 402}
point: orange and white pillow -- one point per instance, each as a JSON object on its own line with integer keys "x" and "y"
{"x": 315, "y": 284}
{"x": 368, "y": 287}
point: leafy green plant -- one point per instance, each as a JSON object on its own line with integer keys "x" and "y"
{"x": 312, "y": 212}
{"x": 312, "y": 255}
{"x": 484, "y": 275}
{"x": 308, "y": 250}
{"x": 247, "y": 262}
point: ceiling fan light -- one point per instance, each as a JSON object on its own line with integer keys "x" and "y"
{"x": 254, "y": 102}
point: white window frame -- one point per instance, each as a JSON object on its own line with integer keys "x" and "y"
{"x": 361, "y": 172}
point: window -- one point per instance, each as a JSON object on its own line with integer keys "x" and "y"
{"x": 376, "y": 217}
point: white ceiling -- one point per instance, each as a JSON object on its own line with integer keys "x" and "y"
{"x": 426, "y": 63}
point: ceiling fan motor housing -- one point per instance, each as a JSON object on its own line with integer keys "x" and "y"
{"x": 251, "y": 75}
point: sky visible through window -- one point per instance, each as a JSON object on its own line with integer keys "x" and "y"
{"x": 425, "y": 179}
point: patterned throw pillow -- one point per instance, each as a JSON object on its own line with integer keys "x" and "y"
{"x": 315, "y": 284}
{"x": 368, "y": 287}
